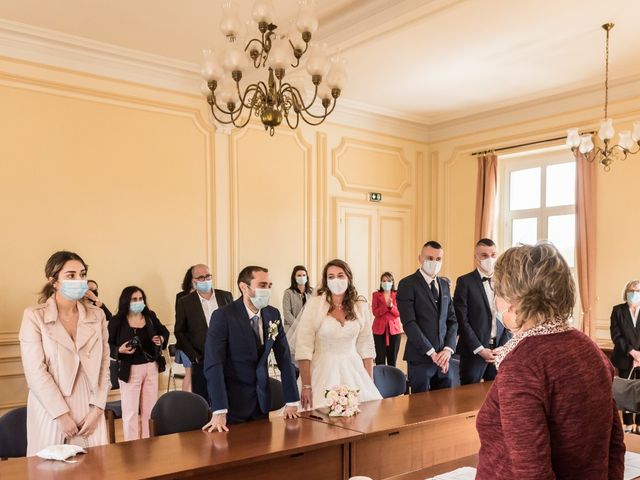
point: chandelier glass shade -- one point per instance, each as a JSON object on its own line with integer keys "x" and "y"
{"x": 284, "y": 93}
{"x": 628, "y": 141}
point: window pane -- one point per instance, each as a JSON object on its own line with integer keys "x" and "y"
{"x": 524, "y": 230}
{"x": 561, "y": 184}
{"x": 524, "y": 189}
{"x": 562, "y": 233}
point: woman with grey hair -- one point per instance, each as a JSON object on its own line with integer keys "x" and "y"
{"x": 625, "y": 333}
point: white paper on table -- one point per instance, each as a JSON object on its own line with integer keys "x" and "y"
{"x": 631, "y": 465}
{"x": 464, "y": 473}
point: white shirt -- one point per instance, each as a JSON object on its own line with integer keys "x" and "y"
{"x": 429, "y": 279}
{"x": 488, "y": 289}
{"x": 208, "y": 306}
{"x": 634, "y": 315}
{"x": 251, "y": 315}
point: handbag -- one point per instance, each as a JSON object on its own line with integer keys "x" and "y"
{"x": 626, "y": 393}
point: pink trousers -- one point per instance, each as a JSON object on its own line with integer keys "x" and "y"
{"x": 138, "y": 394}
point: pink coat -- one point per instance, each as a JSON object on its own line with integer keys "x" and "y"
{"x": 52, "y": 362}
{"x": 387, "y": 319}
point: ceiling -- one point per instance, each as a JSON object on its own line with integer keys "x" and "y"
{"x": 427, "y": 61}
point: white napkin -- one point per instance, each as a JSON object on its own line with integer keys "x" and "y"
{"x": 60, "y": 452}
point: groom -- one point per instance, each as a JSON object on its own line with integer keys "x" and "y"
{"x": 239, "y": 340}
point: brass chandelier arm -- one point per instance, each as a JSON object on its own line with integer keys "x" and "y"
{"x": 259, "y": 89}
{"x": 287, "y": 87}
{"x": 320, "y": 118}
{"x": 298, "y": 54}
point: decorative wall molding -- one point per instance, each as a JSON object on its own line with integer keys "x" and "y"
{"x": 354, "y": 184}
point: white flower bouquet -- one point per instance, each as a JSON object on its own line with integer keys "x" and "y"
{"x": 342, "y": 401}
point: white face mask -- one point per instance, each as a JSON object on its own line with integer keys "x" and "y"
{"x": 261, "y": 297}
{"x": 431, "y": 267}
{"x": 488, "y": 264}
{"x": 338, "y": 285}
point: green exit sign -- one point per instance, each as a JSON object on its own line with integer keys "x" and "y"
{"x": 375, "y": 197}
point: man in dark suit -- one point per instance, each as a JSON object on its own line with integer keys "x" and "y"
{"x": 481, "y": 332}
{"x": 239, "y": 340}
{"x": 193, "y": 314}
{"x": 428, "y": 318}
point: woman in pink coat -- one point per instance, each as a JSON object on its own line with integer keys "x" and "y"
{"x": 65, "y": 356}
{"x": 386, "y": 325}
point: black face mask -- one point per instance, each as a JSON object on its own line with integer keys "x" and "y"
{"x": 95, "y": 292}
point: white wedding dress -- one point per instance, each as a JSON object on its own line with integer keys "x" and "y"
{"x": 336, "y": 351}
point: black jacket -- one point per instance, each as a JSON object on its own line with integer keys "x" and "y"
{"x": 625, "y": 337}
{"x": 473, "y": 313}
{"x": 426, "y": 326}
{"x": 118, "y": 335}
{"x": 191, "y": 326}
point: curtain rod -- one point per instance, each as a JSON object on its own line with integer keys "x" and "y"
{"x": 528, "y": 144}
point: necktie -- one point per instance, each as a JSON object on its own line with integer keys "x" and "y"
{"x": 254, "y": 324}
{"x": 434, "y": 291}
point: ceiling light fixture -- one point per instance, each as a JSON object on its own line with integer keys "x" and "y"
{"x": 627, "y": 140}
{"x": 272, "y": 99}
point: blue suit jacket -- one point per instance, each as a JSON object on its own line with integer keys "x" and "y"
{"x": 473, "y": 313}
{"x": 425, "y": 326}
{"x": 236, "y": 369}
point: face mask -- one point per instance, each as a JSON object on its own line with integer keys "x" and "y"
{"x": 204, "y": 287}
{"x": 261, "y": 298}
{"x": 301, "y": 280}
{"x": 73, "y": 289}
{"x": 338, "y": 285}
{"x": 386, "y": 286}
{"x": 633, "y": 297}
{"x": 431, "y": 267}
{"x": 136, "y": 307}
{"x": 487, "y": 264}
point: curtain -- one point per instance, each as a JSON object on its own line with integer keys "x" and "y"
{"x": 486, "y": 195}
{"x": 586, "y": 172}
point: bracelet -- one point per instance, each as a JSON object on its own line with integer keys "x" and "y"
{"x": 306, "y": 387}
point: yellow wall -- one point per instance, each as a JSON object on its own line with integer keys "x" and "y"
{"x": 138, "y": 182}
{"x": 618, "y": 218}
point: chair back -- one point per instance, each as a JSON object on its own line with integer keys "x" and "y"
{"x": 276, "y": 394}
{"x": 390, "y": 381}
{"x": 13, "y": 433}
{"x": 178, "y": 411}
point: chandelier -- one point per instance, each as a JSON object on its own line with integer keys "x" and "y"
{"x": 274, "y": 56}
{"x": 627, "y": 140}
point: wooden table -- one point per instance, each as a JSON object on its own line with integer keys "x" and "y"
{"x": 412, "y": 432}
{"x": 287, "y": 449}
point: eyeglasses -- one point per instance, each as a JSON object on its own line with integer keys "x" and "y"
{"x": 203, "y": 278}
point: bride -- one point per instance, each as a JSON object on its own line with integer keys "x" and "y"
{"x": 334, "y": 341}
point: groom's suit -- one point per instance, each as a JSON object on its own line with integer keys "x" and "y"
{"x": 235, "y": 363}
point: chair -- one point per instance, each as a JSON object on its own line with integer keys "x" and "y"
{"x": 390, "y": 381}
{"x": 112, "y": 410}
{"x": 276, "y": 394}
{"x": 178, "y": 411}
{"x": 13, "y": 433}
{"x": 172, "y": 374}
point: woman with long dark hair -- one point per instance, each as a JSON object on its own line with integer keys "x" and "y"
{"x": 137, "y": 337}
{"x": 65, "y": 355}
{"x": 387, "y": 328}
{"x": 334, "y": 344}
{"x": 295, "y": 297}
{"x": 181, "y": 357}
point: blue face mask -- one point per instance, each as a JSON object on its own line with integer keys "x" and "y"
{"x": 73, "y": 289}
{"x": 261, "y": 297}
{"x": 301, "y": 280}
{"x": 633, "y": 297}
{"x": 386, "y": 286}
{"x": 204, "y": 286}
{"x": 136, "y": 307}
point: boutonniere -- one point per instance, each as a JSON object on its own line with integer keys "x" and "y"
{"x": 273, "y": 329}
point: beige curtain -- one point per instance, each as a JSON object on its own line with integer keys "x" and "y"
{"x": 486, "y": 195}
{"x": 586, "y": 172}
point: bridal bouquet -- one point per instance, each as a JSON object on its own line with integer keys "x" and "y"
{"x": 342, "y": 401}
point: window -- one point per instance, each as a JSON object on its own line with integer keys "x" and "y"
{"x": 538, "y": 199}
